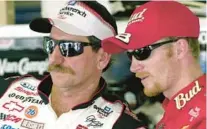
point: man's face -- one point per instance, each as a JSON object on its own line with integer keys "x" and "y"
{"x": 158, "y": 71}
{"x": 67, "y": 72}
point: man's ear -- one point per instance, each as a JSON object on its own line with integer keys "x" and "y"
{"x": 182, "y": 48}
{"x": 102, "y": 59}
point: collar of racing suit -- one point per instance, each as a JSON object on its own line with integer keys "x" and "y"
{"x": 45, "y": 87}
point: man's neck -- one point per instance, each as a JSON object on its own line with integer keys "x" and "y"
{"x": 185, "y": 77}
{"x": 63, "y": 100}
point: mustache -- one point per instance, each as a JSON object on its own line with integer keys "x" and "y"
{"x": 141, "y": 74}
{"x": 59, "y": 68}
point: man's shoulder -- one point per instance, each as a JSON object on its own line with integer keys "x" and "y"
{"x": 13, "y": 79}
{"x": 127, "y": 119}
{"x": 9, "y": 82}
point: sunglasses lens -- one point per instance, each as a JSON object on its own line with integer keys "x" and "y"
{"x": 69, "y": 49}
{"x": 48, "y": 45}
{"x": 140, "y": 54}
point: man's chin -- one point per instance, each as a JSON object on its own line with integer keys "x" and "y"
{"x": 151, "y": 93}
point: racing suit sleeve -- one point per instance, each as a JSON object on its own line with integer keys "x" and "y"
{"x": 127, "y": 121}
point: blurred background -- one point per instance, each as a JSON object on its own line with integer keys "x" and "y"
{"x": 21, "y": 49}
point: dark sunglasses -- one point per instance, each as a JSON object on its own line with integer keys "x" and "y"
{"x": 67, "y": 48}
{"x": 144, "y": 53}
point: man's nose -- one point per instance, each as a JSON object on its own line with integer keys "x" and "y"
{"x": 136, "y": 66}
{"x": 56, "y": 57}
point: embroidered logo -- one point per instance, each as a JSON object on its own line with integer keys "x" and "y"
{"x": 31, "y": 112}
{"x": 194, "y": 113}
{"x": 137, "y": 17}
{"x": 25, "y": 99}
{"x": 32, "y": 125}
{"x": 9, "y": 117}
{"x": 181, "y": 99}
{"x": 13, "y": 106}
{"x": 5, "y": 126}
{"x": 22, "y": 90}
{"x": 28, "y": 86}
{"x": 103, "y": 112}
{"x": 93, "y": 122}
{"x": 70, "y": 11}
{"x": 124, "y": 37}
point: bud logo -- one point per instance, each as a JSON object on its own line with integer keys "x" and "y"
{"x": 181, "y": 99}
{"x": 137, "y": 17}
{"x": 24, "y": 66}
{"x": 13, "y": 106}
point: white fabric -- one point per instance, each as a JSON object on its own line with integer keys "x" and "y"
{"x": 16, "y": 102}
{"x": 85, "y": 25}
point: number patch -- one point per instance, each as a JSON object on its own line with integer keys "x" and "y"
{"x": 125, "y": 37}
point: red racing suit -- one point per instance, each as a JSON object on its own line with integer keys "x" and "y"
{"x": 187, "y": 109}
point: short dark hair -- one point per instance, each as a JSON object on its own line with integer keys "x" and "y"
{"x": 96, "y": 45}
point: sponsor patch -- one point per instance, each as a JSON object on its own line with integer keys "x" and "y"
{"x": 182, "y": 99}
{"x": 93, "y": 122}
{"x": 5, "y": 126}
{"x": 28, "y": 86}
{"x": 9, "y": 117}
{"x": 13, "y": 106}
{"x": 32, "y": 124}
{"x": 22, "y": 90}
{"x": 70, "y": 11}
{"x": 103, "y": 112}
{"x": 31, "y": 112}
{"x": 25, "y": 99}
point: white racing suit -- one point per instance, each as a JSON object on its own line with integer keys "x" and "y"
{"x": 24, "y": 104}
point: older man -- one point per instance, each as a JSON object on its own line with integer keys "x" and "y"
{"x": 74, "y": 95}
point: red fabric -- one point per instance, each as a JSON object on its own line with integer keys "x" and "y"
{"x": 187, "y": 112}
